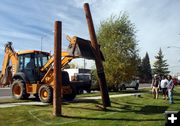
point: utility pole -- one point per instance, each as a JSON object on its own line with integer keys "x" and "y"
{"x": 42, "y": 41}
{"x": 98, "y": 60}
{"x": 57, "y": 102}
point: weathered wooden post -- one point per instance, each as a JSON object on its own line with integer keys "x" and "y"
{"x": 98, "y": 60}
{"x": 57, "y": 69}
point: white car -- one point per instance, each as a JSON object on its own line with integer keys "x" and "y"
{"x": 133, "y": 84}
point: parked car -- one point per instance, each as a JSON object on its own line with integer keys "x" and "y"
{"x": 133, "y": 84}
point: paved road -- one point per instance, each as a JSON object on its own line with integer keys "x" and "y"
{"x": 5, "y": 92}
{"x": 145, "y": 85}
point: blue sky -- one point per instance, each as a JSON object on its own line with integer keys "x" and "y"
{"x": 157, "y": 23}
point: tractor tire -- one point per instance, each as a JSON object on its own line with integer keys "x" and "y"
{"x": 70, "y": 97}
{"x": 19, "y": 90}
{"x": 45, "y": 93}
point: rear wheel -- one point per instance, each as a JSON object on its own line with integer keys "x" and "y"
{"x": 45, "y": 93}
{"x": 70, "y": 97}
{"x": 19, "y": 90}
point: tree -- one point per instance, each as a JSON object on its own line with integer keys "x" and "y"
{"x": 116, "y": 36}
{"x": 94, "y": 80}
{"x": 146, "y": 69}
{"x": 139, "y": 69}
{"x": 160, "y": 65}
{"x": 71, "y": 66}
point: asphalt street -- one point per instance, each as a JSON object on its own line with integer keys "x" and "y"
{"x": 5, "y": 92}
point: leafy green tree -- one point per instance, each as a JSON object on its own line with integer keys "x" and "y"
{"x": 160, "y": 65}
{"x": 116, "y": 36}
{"x": 146, "y": 69}
{"x": 94, "y": 78}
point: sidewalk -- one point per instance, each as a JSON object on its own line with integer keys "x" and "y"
{"x": 111, "y": 96}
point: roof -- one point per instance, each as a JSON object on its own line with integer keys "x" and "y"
{"x": 31, "y": 51}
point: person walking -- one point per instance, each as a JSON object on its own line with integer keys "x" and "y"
{"x": 164, "y": 83}
{"x": 170, "y": 87}
{"x": 155, "y": 86}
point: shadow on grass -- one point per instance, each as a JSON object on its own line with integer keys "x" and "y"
{"x": 149, "y": 109}
{"x": 125, "y": 108}
{"x": 129, "y": 103}
{"x": 86, "y": 108}
{"x": 110, "y": 119}
{"x": 176, "y": 99}
{"x": 83, "y": 101}
{"x": 98, "y": 109}
{"x": 176, "y": 94}
{"x": 145, "y": 110}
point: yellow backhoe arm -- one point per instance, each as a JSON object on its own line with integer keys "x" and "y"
{"x": 10, "y": 55}
{"x": 51, "y": 60}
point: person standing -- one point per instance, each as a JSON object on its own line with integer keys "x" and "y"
{"x": 155, "y": 86}
{"x": 164, "y": 83}
{"x": 170, "y": 87}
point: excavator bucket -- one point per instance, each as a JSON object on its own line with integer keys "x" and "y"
{"x": 81, "y": 48}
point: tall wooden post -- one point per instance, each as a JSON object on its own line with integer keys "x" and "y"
{"x": 57, "y": 69}
{"x": 98, "y": 60}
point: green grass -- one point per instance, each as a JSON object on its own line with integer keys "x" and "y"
{"x": 131, "y": 110}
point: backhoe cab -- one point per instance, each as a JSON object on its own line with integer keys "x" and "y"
{"x": 30, "y": 63}
{"x": 30, "y": 72}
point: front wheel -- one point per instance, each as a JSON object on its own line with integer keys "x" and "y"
{"x": 19, "y": 90}
{"x": 45, "y": 93}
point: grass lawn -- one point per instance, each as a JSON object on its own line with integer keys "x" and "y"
{"x": 130, "y": 110}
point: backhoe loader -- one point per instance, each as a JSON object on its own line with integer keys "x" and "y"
{"x": 30, "y": 72}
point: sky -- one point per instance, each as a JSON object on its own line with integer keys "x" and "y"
{"x": 27, "y": 23}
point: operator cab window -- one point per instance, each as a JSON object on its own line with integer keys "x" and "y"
{"x": 21, "y": 65}
{"x": 42, "y": 59}
{"x": 26, "y": 61}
